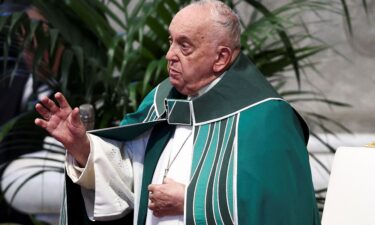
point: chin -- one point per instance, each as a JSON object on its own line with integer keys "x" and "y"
{"x": 180, "y": 86}
{"x": 175, "y": 83}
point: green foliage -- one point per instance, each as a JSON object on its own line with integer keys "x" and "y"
{"x": 112, "y": 53}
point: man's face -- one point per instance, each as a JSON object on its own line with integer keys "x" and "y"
{"x": 192, "y": 50}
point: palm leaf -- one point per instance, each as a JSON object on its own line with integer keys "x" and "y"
{"x": 323, "y": 100}
{"x": 282, "y": 34}
{"x": 114, "y": 69}
{"x": 321, "y": 164}
{"x": 365, "y": 6}
{"x": 347, "y": 16}
{"x": 330, "y": 148}
{"x": 328, "y": 120}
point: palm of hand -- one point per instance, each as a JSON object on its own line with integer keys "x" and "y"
{"x": 62, "y": 127}
{"x": 61, "y": 122}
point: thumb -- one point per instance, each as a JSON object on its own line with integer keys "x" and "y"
{"x": 75, "y": 118}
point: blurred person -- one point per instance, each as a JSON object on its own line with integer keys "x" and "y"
{"x": 20, "y": 89}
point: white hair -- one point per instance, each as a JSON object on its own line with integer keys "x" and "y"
{"x": 225, "y": 17}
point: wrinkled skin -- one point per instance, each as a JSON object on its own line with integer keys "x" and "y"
{"x": 166, "y": 199}
{"x": 64, "y": 124}
{"x": 198, "y": 54}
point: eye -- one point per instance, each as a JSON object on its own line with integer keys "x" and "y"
{"x": 185, "y": 47}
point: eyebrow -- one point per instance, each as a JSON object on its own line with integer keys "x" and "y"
{"x": 182, "y": 37}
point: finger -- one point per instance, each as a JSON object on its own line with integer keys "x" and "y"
{"x": 62, "y": 101}
{"x": 157, "y": 213}
{"x": 151, "y": 187}
{"x": 155, "y": 209}
{"x": 152, "y": 206}
{"x": 41, "y": 123}
{"x": 46, "y": 114}
{"x": 75, "y": 119}
{"x": 151, "y": 197}
{"x": 50, "y": 105}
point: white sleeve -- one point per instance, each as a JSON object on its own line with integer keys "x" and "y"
{"x": 107, "y": 179}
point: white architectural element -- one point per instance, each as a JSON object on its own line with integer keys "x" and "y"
{"x": 319, "y": 174}
{"x": 351, "y": 191}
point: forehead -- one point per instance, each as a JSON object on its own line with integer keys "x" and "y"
{"x": 190, "y": 21}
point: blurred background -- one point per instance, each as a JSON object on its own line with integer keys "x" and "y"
{"x": 318, "y": 54}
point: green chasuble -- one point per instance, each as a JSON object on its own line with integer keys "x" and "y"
{"x": 250, "y": 162}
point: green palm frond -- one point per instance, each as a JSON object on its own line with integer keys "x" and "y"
{"x": 112, "y": 53}
{"x": 117, "y": 60}
{"x": 347, "y": 16}
{"x": 288, "y": 46}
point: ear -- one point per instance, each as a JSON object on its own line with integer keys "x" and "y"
{"x": 223, "y": 59}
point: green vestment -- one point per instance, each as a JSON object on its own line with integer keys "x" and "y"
{"x": 250, "y": 162}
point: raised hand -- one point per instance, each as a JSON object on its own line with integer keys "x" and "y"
{"x": 64, "y": 124}
{"x": 167, "y": 199}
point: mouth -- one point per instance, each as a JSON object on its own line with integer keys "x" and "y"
{"x": 172, "y": 72}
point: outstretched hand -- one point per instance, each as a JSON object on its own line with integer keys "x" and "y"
{"x": 167, "y": 199}
{"x": 63, "y": 123}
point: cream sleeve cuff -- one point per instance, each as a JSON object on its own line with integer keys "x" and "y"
{"x": 85, "y": 177}
{"x": 106, "y": 180}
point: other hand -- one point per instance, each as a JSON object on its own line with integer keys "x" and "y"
{"x": 63, "y": 123}
{"x": 167, "y": 199}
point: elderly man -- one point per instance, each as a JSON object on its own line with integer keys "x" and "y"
{"x": 213, "y": 144}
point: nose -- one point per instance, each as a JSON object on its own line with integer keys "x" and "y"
{"x": 171, "y": 55}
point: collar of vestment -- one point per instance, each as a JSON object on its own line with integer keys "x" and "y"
{"x": 242, "y": 87}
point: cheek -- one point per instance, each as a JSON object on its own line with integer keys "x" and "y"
{"x": 186, "y": 69}
{"x": 192, "y": 68}
{"x": 197, "y": 72}
{"x": 196, "y": 66}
